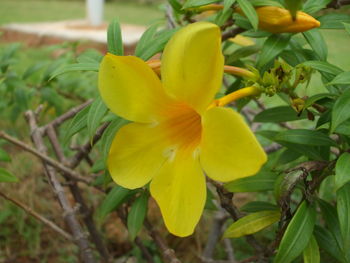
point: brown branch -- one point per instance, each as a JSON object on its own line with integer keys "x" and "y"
{"x": 78, "y": 197}
{"x": 69, "y": 172}
{"x": 231, "y": 33}
{"x": 167, "y": 252}
{"x": 69, "y": 215}
{"x": 86, "y": 148}
{"x": 226, "y": 203}
{"x": 66, "y": 116}
{"x": 42, "y": 219}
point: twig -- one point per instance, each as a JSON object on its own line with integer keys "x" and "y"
{"x": 42, "y": 219}
{"x": 66, "y": 116}
{"x": 226, "y": 203}
{"x": 168, "y": 253}
{"x": 86, "y": 148}
{"x": 78, "y": 197}
{"x": 72, "y": 174}
{"x": 231, "y": 33}
{"x": 69, "y": 215}
{"x": 229, "y": 250}
{"x": 170, "y": 16}
{"x": 214, "y": 236}
{"x": 336, "y": 4}
{"x": 272, "y": 148}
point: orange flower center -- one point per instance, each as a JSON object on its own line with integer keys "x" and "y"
{"x": 182, "y": 126}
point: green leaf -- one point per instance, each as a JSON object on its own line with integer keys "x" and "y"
{"x": 113, "y": 200}
{"x": 317, "y": 43}
{"x": 33, "y": 69}
{"x": 333, "y": 20}
{"x": 4, "y": 156}
{"x": 342, "y": 170}
{"x": 109, "y": 134}
{"x": 323, "y": 66}
{"x": 272, "y": 47}
{"x": 195, "y": 3}
{"x": 311, "y": 253}
{"x": 327, "y": 242}
{"x": 297, "y": 235}
{"x": 152, "y": 42}
{"x": 75, "y": 67}
{"x": 114, "y": 38}
{"x": 330, "y": 216}
{"x": 293, "y": 6}
{"x": 263, "y": 181}
{"x": 266, "y": 3}
{"x": 305, "y": 137}
{"x": 228, "y": 4}
{"x": 176, "y": 6}
{"x": 257, "y": 206}
{"x": 242, "y": 53}
{"x": 249, "y": 11}
{"x": 90, "y": 56}
{"x": 340, "y": 112}
{"x": 341, "y": 79}
{"x": 311, "y": 100}
{"x": 347, "y": 27}
{"x": 96, "y": 112}
{"x": 312, "y": 6}
{"x": 252, "y": 223}
{"x": 343, "y": 208}
{"x": 7, "y": 177}
{"x": 76, "y": 124}
{"x": 279, "y": 114}
{"x": 137, "y": 215}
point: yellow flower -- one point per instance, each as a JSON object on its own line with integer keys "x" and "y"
{"x": 177, "y": 133}
{"x": 279, "y": 20}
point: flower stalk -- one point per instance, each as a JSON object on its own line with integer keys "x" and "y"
{"x": 238, "y": 94}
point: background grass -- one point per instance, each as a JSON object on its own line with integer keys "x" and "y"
{"x": 39, "y": 11}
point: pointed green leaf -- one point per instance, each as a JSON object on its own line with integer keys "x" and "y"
{"x": 252, "y": 223}
{"x": 343, "y": 208}
{"x": 7, "y": 177}
{"x": 272, "y": 47}
{"x": 75, "y": 67}
{"x": 327, "y": 242}
{"x": 297, "y": 235}
{"x": 304, "y": 137}
{"x": 311, "y": 253}
{"x": 263, "y": 181}
{"x": 323, "y": 66}
{"x": 342, "y": 170}
{"x": 195, "y": 3}
{"x": 341, "y": 112}
{"x": 249, "y": 11}
{"x": 341, "y": 79}
{"x": 76, "y": 124}
{"x": 257, "y": 206}
{"x": 97, "y": 110}
{"x": 317, "y": 43}
{"x": 279, "y": 114}
{"x": 113, "y": 200}
{"x": 137, "y": 215}
{"x": 114, "y": 38}
{"x": 228, "y": 4}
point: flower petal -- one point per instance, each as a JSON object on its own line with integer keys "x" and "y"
{"x": 180, "y": 191}
{"x": 192, "y": 64}
{"x": 229, "y": 150}
{"x": 136, "y": 154}
{"x": 130, "y": 88}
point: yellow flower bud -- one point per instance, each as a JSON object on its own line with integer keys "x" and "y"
{"x": 279, "y": 20}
